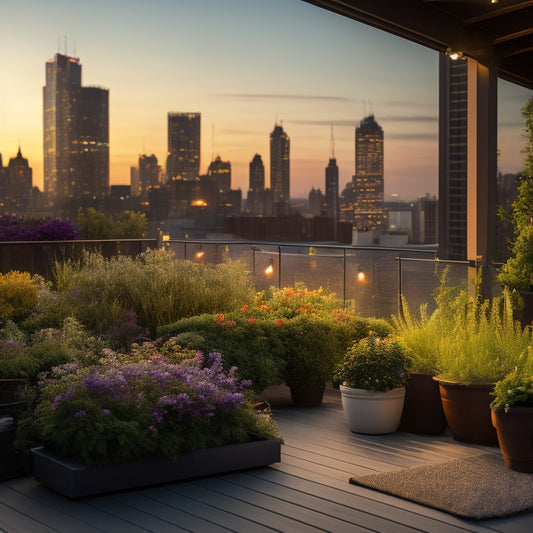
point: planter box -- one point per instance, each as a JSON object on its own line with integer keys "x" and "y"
{"x": 76, "y": 480}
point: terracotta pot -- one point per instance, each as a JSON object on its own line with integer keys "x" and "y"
{"x": 307, "y": 395}
{"x": 515, "y": 436}
{"x": 467, "y": 411}
{"x": 422, "y": 409}
{"x": 372, "y": 412}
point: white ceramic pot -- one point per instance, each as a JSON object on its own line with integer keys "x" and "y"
{"x": 372, "y": 412}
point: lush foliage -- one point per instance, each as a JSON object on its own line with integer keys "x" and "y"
{"x": 289, "y": 302}
{"x": 253, "y": 345}
{"x": 121, "y": 410}
{"x": 289, "y": 341}
{"x": 47, "y": 229}
{"x": 517, "y": 273}
{"x": 374, "y": 363}
{"x": 480, "y": 342}
{"x": 97, "y": 226}
{"x": 420, "y": 335}
{"x": 18, "y": 294}
{"x": 516, "y": 389}
{"x": 156, "y": 286}
{"x": 25, "y": 355}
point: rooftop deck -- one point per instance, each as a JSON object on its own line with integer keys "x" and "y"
{"x": 307, "y": 491}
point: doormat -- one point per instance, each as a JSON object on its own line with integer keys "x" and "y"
{"x": 477, "y": 487}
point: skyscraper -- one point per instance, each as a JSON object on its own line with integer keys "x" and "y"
{"x": 183, "y": 160}
{"x": 280, "y": 145}
{"x": 259, "y": 199}
{"x": 257, "y": 174}
{"x": 221, "y": 172}
{"x": 76, "y": 134}
{"x": 149, "y": 175}
{"x": 368, "y": 182}
{"x": 15, "y": 185}
{"x": 332, "y": 189}
{"x": 453, "y": 134}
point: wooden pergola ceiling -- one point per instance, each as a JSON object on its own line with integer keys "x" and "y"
{"x": 494, "y": 33}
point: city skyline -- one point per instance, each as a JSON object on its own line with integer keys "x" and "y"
{"x": 246, "y": 66}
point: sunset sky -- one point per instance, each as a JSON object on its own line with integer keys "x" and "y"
{"x": 243, "y": 64}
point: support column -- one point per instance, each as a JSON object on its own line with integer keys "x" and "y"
{"x": 482, "y": 171}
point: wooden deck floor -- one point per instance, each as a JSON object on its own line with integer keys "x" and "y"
{"x": 307, "y": 491}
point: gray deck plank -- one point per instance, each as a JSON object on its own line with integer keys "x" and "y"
{"x": 241, "y": 506}
{"x": 223, "y": 518}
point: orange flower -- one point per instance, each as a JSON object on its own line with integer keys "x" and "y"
{"x": 251, "y": 321}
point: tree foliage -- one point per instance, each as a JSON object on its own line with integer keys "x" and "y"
{"x": 95, "y": 225}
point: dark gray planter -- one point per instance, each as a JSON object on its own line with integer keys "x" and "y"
{"x": 76, "y": 480}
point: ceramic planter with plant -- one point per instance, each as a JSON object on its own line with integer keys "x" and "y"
{"x": 422, "y": 410}
{"x": 512, "y": 416}
{"x": 481, "y": 344}
{"x": 517, "y": 272}
{"x": 372, "y": 380}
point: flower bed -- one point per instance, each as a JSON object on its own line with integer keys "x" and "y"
{"x": 145, "y": 418}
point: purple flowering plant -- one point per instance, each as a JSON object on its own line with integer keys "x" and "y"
{"x": 125, "y": 409}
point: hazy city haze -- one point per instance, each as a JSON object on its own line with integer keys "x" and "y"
{"x": 244, "y": 65}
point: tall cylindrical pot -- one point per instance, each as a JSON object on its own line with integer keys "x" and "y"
{"x": 372, "y": 412}
{"x": 422, "y": 409}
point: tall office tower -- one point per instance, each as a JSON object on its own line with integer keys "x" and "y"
{"x": 91, "y": 147}
{"x": 280, "y": 146}
{"x": 221, "y": 171}
{"x": 258, "y": 199}
{"x": 76, "y": 134}
{"x": 15, "y": 185}
{"x": 368, "y": 182}
{"x": 332, "y": 189}
{"x": 453, "y": 133}
{"x": 148, "y": 176}
{"x": 257, "y": 174}
{"x": 183, "y": 160}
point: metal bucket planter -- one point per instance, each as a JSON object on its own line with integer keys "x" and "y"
{"x": 372, "y": 412}
{"x": 467, "y": 411}
{"x": 515, "y": 436}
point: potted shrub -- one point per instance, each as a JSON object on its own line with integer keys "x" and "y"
{"x": 517, "y": 272}
{"x": 480, "y": 345}
{"x": 512, "y": 416}
{"x": 422, "y": 410}
{"x": 372, "y": 381}
{"x": 314, "y": 346}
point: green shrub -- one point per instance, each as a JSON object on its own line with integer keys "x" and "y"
{"x": 482, "y": 342}
{"x": 154, "y": 285}
{"x": 18, "y": 294}
{"x": 25, "y": 356}
{"x": 268, "y": 350}
{"x": 253, "y": 345}
{"x": 374, "y": 363}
